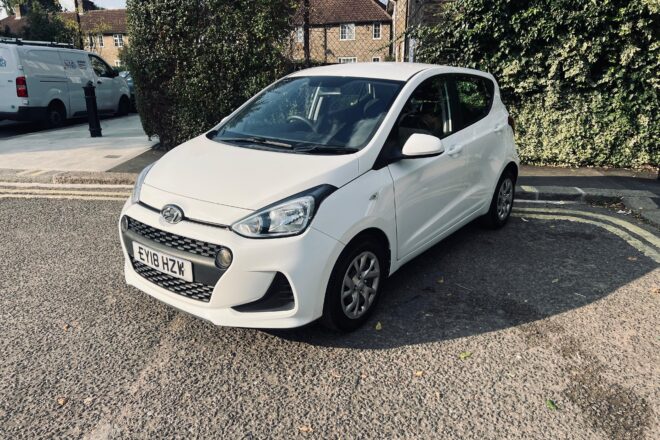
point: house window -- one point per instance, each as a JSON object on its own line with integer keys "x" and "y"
{"x": 119, "y": 40}
{"x": 375, "y": 60}
{"x": 99, "y": 38}
{"x": 347, "y": 31}
{"x": 90, "y": 40}
{"x": 300, "y": 34}
{"x": 346, "y": 60}
{"x": 376, "y": 31}
{"x": 117, "y": 63}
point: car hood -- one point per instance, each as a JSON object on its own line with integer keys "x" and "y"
{"x": 245, "y": 178}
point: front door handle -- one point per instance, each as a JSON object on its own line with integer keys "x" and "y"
{"x": 499, "y": 128}
{"x": 454, "y": 150}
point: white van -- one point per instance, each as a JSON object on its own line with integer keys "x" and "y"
{"x": 42, "y": 81}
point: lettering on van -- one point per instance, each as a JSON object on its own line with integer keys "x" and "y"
{"x": 82, "y": 65}
{"x": 69, "y": 64}
{"x": 3, "y": 62}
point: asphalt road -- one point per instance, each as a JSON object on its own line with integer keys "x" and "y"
{"x": 477, "y": 336}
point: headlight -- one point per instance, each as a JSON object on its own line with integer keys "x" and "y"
{"x": 289, "y": 217}
{"x": 135, "y": 196}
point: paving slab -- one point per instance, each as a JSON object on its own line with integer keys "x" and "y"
{"x": 72, "y": 149}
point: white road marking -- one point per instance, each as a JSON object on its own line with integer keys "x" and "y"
{"x": 63, "y": 185}
{"x": 63, "y": 192}
{"x": 528, "y": 188}
{"x": 55, "y": 196}
{"x": 579, "y": 190}
{"x": 646, "y": 235}
{"x": 632, "y": 241}
{"x": 549, "y": 202}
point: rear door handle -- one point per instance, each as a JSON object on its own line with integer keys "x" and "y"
{"x": 499, "y": 127}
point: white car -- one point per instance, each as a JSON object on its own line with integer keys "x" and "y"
{"x": 41, "y": 81}
{"x": 302, "y": 202}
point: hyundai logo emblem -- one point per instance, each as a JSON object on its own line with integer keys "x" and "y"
{"x": 172, "y": 214}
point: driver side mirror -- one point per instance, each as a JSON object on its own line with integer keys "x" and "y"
{"x": 421, "y": 145}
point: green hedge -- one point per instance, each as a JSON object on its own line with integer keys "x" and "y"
{"x": 579, "y": 77}
{"x": 194, "y": 62}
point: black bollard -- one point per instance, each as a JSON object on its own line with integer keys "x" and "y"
{"x": 92, "y": 110}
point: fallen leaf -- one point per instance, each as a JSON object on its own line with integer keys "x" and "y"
{"x": 379, "y": 326}
{"x": 441, "y": 280}
{"x": 551, "y": 404}
{"x": 419, "y": 373}
{"x": 87, "y": 401}
{"x": 465, "y": 355}
{"x": 305, "y": 429}
{"x": 334, "y": 374}
{"x": 66, "y": 327}
{"x": 61, "y": 401}
{"x": 632, "y": 258}
{"x": 556, "y": 280}
{"x": 657, "y": 291}
{"x": 524, "y": 219}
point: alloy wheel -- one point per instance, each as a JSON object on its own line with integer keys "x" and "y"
{"x": 505, "y": 199}
{"x": 360, "y": 285}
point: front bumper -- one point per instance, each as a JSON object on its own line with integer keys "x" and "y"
{"x": 305, "y": 260}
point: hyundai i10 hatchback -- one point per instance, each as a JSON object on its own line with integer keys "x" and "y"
{"x": 302, "y": 202}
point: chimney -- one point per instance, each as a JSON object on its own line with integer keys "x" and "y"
{"x": 80, "y": 6}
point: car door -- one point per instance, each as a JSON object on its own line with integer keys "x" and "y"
{"x": 429, "y": 192}
{"x": 482, "y": 133}
{"x": 104, "y": 76}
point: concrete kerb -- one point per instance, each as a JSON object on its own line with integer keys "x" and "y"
{"x": 641, "y": 203}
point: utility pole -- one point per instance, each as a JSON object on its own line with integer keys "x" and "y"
{"x": 306, "y": 32}
{"x": 80, "y": 33}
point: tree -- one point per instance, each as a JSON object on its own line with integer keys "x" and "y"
{"x": 579, "y": 77}
{"x": 194, "y": 62}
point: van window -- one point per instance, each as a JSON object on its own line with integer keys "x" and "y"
{"x": 100, "y": 67}
{"x": 475, "y": 97}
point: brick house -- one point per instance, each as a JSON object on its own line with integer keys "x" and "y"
{"x": 343, "y": 31}
{"x": 406, "y": 14}
{"x": 104, "y": 31}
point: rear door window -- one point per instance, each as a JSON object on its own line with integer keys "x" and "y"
{"x": 475, "y": 97}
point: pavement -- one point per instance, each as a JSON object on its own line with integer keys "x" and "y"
{"x": 48, "y": 152}
{"x": 546, "y": 328}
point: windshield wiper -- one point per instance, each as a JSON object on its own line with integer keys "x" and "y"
{"x": 326, "y": 149}
{"x": 256, "y": 140}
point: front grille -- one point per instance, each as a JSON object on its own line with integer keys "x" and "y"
{"x": 198, "y": 291}
{"x": 193, "y": 246}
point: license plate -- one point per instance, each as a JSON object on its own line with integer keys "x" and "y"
{"x": 162, "y": 262}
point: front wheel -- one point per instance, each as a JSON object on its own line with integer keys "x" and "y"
{"x": 501, "y": 203}
{"x": 355, "y": 284}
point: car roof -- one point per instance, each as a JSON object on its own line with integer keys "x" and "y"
{"x": 388, "y": 71}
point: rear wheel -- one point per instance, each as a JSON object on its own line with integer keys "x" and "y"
{"x": 124, "y": 106}
{"x": 355, "y": 284}
{"x": 502, "y": 202}
{"x": 55, "y": 115}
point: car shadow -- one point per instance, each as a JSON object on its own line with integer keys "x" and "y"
{"x": 479, "y": 281}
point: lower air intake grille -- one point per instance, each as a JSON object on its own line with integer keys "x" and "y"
{"x": 198, "y": 291}
{"x": 279, "y": 296}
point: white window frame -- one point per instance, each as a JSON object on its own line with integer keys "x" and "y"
{"x": 378, "y": 25}
{"x": 300, "y": 34}
{"x": 118, "y": 40}
{"x": 347, "y": 32}
{"x": 375, "y": 59}
{"x": 117, "y": 63}
{"x": 99, "y": 40}
{"x": 346, "y": 60}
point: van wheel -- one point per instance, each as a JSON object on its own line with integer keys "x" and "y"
{"x": 56, "y": 115}
{"x": 502, "y": 202}
{"x": 124, "y": 106}
{"x": 355, "y": 285}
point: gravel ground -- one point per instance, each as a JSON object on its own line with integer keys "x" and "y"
{"x": 478, "y": 335}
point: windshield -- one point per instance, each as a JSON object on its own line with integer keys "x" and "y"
{"x": 320, "y": 115}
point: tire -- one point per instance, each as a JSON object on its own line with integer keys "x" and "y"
{"x": 55, "y": 115}
{"x": 124, "y": 106}
{"x": 501, "y": 203}
{"x": 360, "y": 303}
